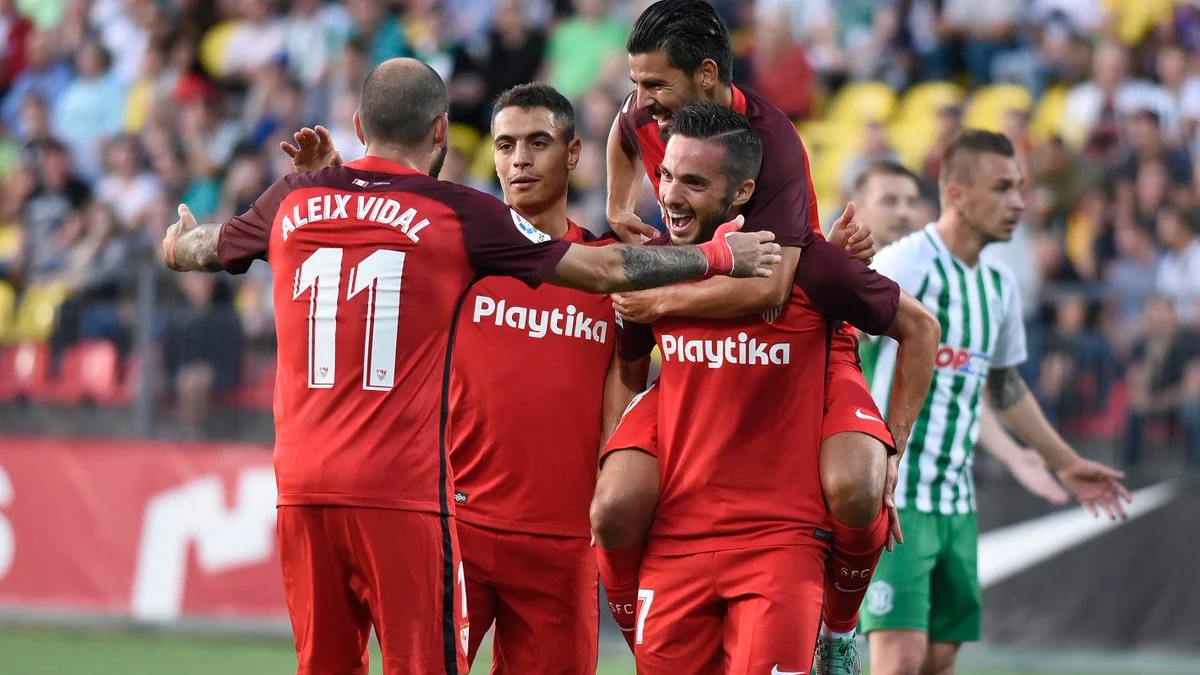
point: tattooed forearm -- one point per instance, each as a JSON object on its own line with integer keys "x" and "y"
{"x": 196, "y": 250}
{"x": 650, "y": 266}
{"x": 1005, "y": 388}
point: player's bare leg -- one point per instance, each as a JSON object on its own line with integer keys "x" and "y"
{"x": 853, "y": 469}
{"x": 940, "y": 658}
{"x": 622, "y": 510}
{"x": 898, "y": 652}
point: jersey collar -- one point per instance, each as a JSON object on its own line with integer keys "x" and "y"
{"x": 381, "y": 165}
{"x": 574, "y": 233}
{"x": 739, "y": 100}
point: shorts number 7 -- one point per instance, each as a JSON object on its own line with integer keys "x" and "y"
{"x": 645, "y": 598}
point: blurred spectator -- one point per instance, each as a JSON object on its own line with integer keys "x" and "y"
{"x": 382, "y": 30}
{"x": 1148, "y": 147}
{"x": 812, "y": 24}
{"x": 44, "y": 76}
{"x": 979, "y": 31}
{"x": 949, "y": 123}
{"x": 202, "y": 347}
{"x": 583, "y": 48}
{"x": 127, "y": 186}
{"x": 1179, "y": 272}
{"x": 153, "y": 87}
{"x": 91, "y": 109}
{"x": 782, "y": 73}
{"x": 875, "y": 149}
{"x": 125, "y": 29}
{"x": 1077, "y": 365}
{"x": 257, "y": 41}
{"x": 34, "y": 127}
{"x": 15, "y": 30}
{"x": 50, "y": 213}
{"x": 1164, "y": 382}
{"x": 508, "y": 54}
{"x": 1130, "y": 281}
{"x": 313, "y": 33}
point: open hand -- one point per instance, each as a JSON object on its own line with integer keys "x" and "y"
{"x": 1031, "y": 472}
{"x": 754, "y": 253}
{"x": 1096, "y": 486}
{"x": 313, "y": 150}
{"x": 853, "y": 236}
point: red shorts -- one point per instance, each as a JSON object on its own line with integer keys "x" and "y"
{"x": 849, "y": 405}
{"x": 541, "y": 593}
{"x": 742, "y": 612}
{"x": 638, "y": 428}
{"x": 347, "y": 569}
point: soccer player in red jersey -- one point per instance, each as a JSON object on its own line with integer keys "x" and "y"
{"x": 679, "y": 52}
{"x": 371, "y": 262}
{"x": 734, "y": 573}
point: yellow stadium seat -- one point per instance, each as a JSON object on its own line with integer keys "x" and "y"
{"x": 860, "y": 102}
{"x": 7, "y": 302}
{"x": 10, "y": 241}
{"x": 37, "y": 312}
{"x": 827, "y": 170}
{"x": 214, "y": 47}
{"x": 1134, "y": 19}
{"x": 989, "y": 105}
{"x": 1047, "y": 116}
{"x": 924, "y": 100}
{"x": 483, "y": 164}
{"x": 913, "y": 140}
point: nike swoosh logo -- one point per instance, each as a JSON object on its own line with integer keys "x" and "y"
{"x": 864, "y": 416}
{"x": 1008, "y": 551}
{"x": 776, "y": 671}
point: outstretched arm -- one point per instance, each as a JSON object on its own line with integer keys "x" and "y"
{"x": 191, "y": 247}
{"x": 1024, "y": 464}
{"x": 624, "y": 177}
{"x": 1095, "y": 485}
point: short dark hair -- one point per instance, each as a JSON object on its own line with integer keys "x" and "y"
{"x": 707, "y": 121}
{"x": 534, "y": 95}
{"x": 689, "y": 31}
{"x": 400, "y": 102}
{"x": 883, "y": 167}
{"x": 972, "y": 142}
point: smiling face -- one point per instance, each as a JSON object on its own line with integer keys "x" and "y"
{"x": 533, "y": 157}
{"x": 660, "y": 89}
{"x": 697, "y": 194}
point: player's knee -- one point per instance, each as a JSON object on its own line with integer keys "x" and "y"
{"x": 853, "y": 472}
{"x": 626, "y": 494}
{"x": 900, "y": 664}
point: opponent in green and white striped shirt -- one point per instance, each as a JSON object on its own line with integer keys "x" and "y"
{"x": 979, "y": 310}
{"x": 930, "y": 583}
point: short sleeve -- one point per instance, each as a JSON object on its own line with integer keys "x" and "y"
{"x": 844, "y": 289}
{"x": 784, "y": 201}
{"x": 625, "y": 127}
{"x": 246, "y": 238}
{"x": 903, "y": 262}
{"x": 1010, "y": 344}
{"x": 634, "y": 340}
{"x": 500, "y": 242}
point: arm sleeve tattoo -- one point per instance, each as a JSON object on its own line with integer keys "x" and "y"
{"x": 1005, "y": 387}
{"x": 196, "y": 249}
{"x": 649, "y": 266}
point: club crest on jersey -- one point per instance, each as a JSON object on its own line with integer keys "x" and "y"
{"x": 961, "y": 361}
{"x": 526, "y": 228}
{"x": 771, "y": 315}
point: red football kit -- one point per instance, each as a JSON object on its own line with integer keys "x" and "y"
{"x": 526, "y": 398}
{"x": 370, "y": 261}
{"x": 785, "y": 203}
{"x": 734, "y": 574}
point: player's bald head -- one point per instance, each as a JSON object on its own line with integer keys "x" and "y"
{"x": 401, "y": 99}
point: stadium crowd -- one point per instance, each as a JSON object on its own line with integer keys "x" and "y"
{"x": 114, "y": 111}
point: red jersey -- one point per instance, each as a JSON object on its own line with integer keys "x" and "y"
{"x": 526, "y": 395}
{"x": 740, "y": 409}
{"x": 370, "y": 261}
{"x": 784, "y": 200}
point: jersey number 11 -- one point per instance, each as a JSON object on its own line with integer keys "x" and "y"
{"x": 380, "y": 274}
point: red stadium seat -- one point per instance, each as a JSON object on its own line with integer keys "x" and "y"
{"x": 9, "y": 388}
{"x": 96, "y": 368}
{"x": 31, "y": 369}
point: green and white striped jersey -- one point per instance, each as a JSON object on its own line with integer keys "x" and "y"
{"x": 980, "y": 312}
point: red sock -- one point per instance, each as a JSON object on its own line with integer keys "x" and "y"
{"x": 619, "y": 575}
{"x": 852, "y": 561}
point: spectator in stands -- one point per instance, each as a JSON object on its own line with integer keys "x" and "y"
{"x": 313, "y": 33}
{"x": 782, "y": 73}
{"x": 511, "y": 52}
{"x": 152, "y": 88}
{"x": 1130, "y": 282}
{"x": 34, "y": 128}
{"x": 1178, "y": 276}
{"x": 50, "y": 213}
{"x": 202, "y": 348}
{"x": 15, "y": 30}
{"x": 1147, "y": 145}
{"x": 1077, "y": 366}
{"x": 981, "y": 31}
{"x": 583, "y": 48}
{"x": 382, "y": 30}
{"x": 45, "y": 76}
{"x": 257, "y": 41}
{"x": 812, "y": 24}
{"x": 949, "y": 124}
{"x": 91, "y": 109}
{"x": 1164, "y": 382}
{"x": 127, "y": 186}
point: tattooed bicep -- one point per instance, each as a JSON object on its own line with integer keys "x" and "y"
{"x": 1005, "y": 387}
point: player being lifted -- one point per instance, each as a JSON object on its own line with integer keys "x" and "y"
{"x": 733, "y": 579}
{"x": 886, "y": 194}
{"x": 370, "y": 261}
{"x": 925, "y": 598}
{"x": 679, "y": 52}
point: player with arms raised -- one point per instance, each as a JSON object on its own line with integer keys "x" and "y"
{"x": 679, "y": 52}
{"x": 925, "y": 598}
{"x": 734, "y": 574}
{"x": 371, "y": 261}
